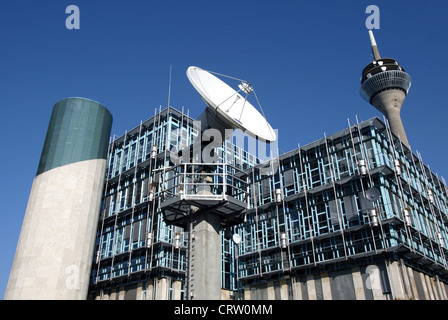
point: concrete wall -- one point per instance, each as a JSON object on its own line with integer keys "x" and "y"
{"x": 55, "y": 249}
{"x": 153, "y": 289}
{"x": 387, "y": 281}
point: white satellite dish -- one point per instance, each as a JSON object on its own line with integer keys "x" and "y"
{"x": 226, "y": 108}
{"x": 372, "y": 194}
{"x": 236, "y": 238}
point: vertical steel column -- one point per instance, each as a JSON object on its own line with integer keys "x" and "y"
{"x": 341, "y": 222}
{"x": 306, "y": 205}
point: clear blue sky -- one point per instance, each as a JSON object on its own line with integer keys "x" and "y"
{"x": 304, "y": 59}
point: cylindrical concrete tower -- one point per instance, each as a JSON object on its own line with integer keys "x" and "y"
{"x": 384, "y": 85}
{"x": 55, "y": 249}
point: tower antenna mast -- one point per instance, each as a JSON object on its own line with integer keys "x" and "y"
{"x": 169, "y": 86}
{"x": 375, "y": 51}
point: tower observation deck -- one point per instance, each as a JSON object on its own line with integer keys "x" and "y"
{"x": 385, "y": 84}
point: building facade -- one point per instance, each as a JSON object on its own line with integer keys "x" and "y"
{"x": 324, "y": 237}
{"x": 355, "y": 215}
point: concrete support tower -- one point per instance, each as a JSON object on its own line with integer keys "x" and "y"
{"x": 55, "y": 249}
{"x": 205, "y": 258}
{"x": 384, "y": 85}
{"x": 208, "y": 198}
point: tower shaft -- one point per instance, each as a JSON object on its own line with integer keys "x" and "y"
{"x": 205, "y": 258}
{"x": 55, "y": 250}
{"x": 389, "y": 102}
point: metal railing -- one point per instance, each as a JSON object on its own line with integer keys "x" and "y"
{"x": 385, "y": 80}
{"x": 205, "y": 180}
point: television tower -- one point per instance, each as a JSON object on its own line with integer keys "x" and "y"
{"x": 384, "y": 85}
